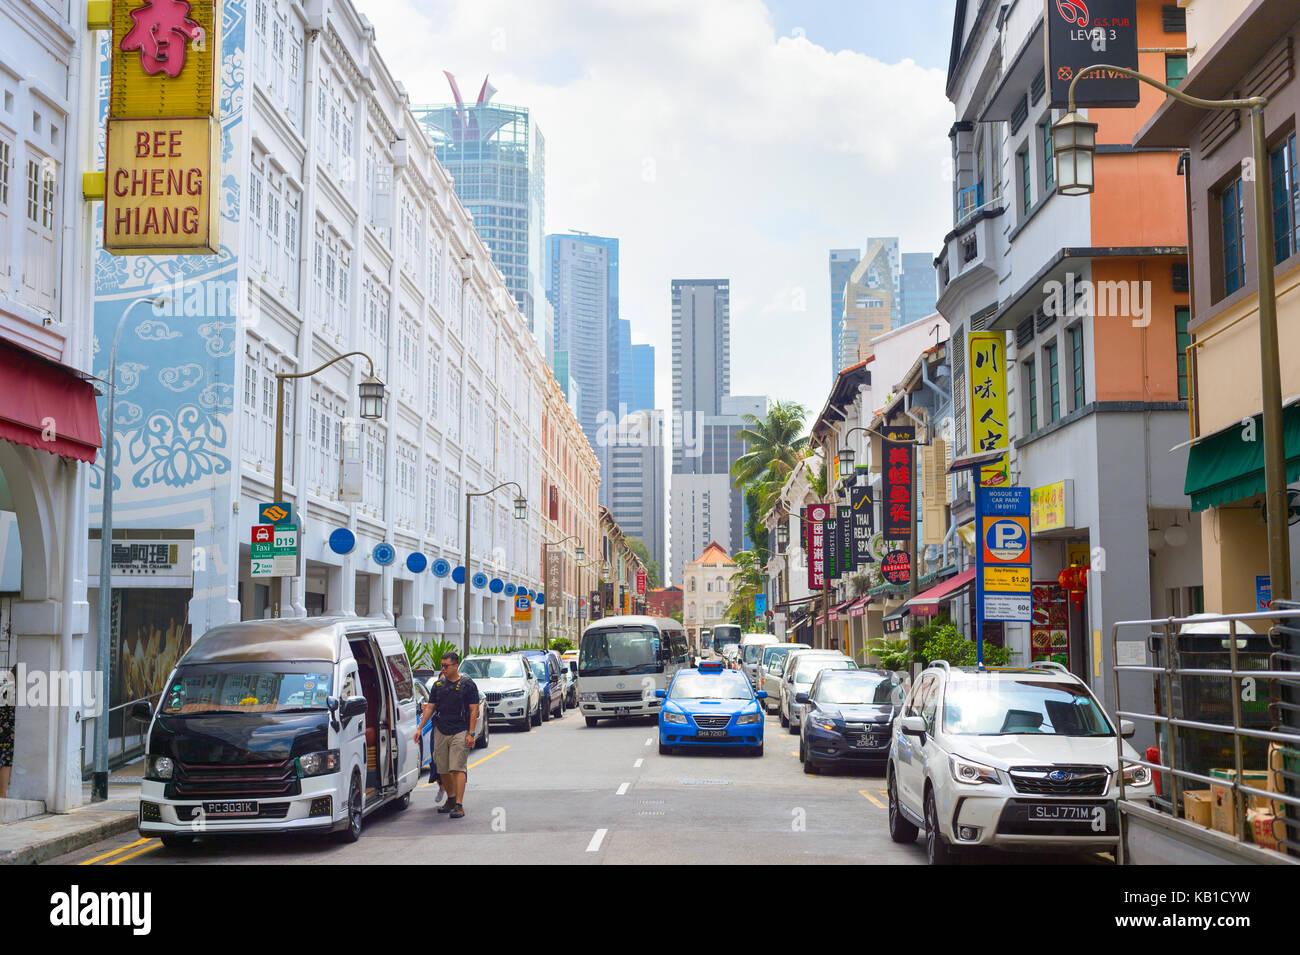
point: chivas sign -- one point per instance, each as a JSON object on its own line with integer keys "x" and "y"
{"x": 160, "y": 190}
{"x": 1081, "y": 33}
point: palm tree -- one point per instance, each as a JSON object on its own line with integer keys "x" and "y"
{"x": 776, "y": 445}
{"x": 747, "y": 583}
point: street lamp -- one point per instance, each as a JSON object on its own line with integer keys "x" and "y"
{"x": 1077, "y": 144}
{"x": 521, "y": 512}
{"x": 99, "y": 782}
{"x": 847, "y": 455}
{"x": 372, "y": 409}
{"x": 782, "y": 535}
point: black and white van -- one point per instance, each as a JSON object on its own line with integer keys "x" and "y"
{"x": 289, "y": 725}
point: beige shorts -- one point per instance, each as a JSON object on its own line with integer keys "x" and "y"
{"x": 449, "y": 752}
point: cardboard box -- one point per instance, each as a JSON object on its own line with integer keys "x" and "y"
{"x": 1196, "y": 806}
{"x": 1223, "y": 804}
{"x": 1266, "y": 830}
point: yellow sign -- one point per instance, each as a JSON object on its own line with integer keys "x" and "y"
{"x": 523, "y": 608}
{"x": 160, "y": 195}
{"x": 986, "y": 374}
{"x": 1006, "y": 579}
{"x": 1079, "y": 554}
{"x": 165, "y": 59}
{"x": 1049, "y": 507}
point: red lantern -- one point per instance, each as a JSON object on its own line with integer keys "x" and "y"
{"x": 1074, "y": 580}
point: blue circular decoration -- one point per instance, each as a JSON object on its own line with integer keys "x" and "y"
{"x": 532, "y": 595}
{"x": 497, "y": 585}
{"x": 416, "y": 563}
{"x": 342, "y": 540}
{"x": 479, "y": 580}
{"x": 458, "y": 575}
{"x": 511, "y": 590}
{"x": 541, "y": 597}
{"x": 441, "y": 567}
{"x": 384, "y": 554}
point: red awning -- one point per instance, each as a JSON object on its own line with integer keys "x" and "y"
{"x": 46, "y": 406}
{"x": 859, "y": 607}
{"x": 926, "y": 603}
{"x": 842, "y": 605}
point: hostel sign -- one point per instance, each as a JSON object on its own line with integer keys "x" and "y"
{"x": 161, "y": 181}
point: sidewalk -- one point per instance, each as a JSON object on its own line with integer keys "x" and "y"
{"x": 36, "y": 839}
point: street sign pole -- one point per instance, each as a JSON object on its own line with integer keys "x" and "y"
{"x": 979, "y": 572}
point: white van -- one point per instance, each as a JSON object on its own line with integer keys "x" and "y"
{"x": 623, "y": 660}
{"x": 289, "y": 725}
{"x": 751, "y": 654}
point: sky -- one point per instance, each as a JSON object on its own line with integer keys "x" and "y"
{"x": 736, "y": 139}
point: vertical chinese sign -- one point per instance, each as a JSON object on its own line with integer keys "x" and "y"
{"x": 817, "y": 515}
{"x": 863, "y": 523}
{"x": 898, "y": 500}
{"x": 162, "y": 167}
{"x": 987, "y": 375}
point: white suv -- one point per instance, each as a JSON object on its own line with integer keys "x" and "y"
{"x": 1007, "y": 758}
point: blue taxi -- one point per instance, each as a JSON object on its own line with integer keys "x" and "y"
{"x": 710, "y": 706}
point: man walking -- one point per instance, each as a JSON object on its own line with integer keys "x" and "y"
{"x": 453, "y": 706}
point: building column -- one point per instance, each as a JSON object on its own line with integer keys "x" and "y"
{"x": 1234, "y": 549}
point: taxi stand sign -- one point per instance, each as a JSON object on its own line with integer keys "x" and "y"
{"x": 274, "y": 550}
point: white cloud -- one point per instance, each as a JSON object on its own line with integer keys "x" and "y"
{"x": 710, "y": 146}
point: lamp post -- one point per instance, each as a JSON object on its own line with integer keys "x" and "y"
{"x": 521, "y": 512}
{"x": 372, "y": 409}
{"x": 99, "y": 782}
{"x": 1074, "y": 145}
{"x": 580, "y": 561}
{"x": 546, "y": 578}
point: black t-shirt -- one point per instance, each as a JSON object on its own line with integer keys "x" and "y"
{"x": 451, "y": 703}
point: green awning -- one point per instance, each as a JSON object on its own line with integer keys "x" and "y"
{"x": 1226, "y": 467}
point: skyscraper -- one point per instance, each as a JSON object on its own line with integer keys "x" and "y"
{"x": 870, "y": 302}
{"x": 643, "y": 377}
{"x": 636, "y": 480}
{"x": 842, "y": 263}
{"x": 582, "y": 288}
{"x": 920, "y": 288}
{"x": 626, "y": 383}
{"x": 701, "y": 357}
{"x": 497, "y": 157}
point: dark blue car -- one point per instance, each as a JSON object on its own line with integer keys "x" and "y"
{"x": 547, "y": 666}
{"x": 849, "y": 719}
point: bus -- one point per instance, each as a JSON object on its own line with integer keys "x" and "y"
{"x": 622, "y": 660}
{"x": 724, "y": 635}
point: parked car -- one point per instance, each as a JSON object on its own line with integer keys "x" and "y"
{"x": 570, "y": 661}
{"x": 849, "y": 718}
{"x": 731, "y": 656}
{"x": 751, "y": 652}
{"x": 771, "y": 669}
{"x": 546, "y": 666}
{"x": 1009, "y": 758}
{"x": 509, "y": 690}
{"x": 801, "y": 666}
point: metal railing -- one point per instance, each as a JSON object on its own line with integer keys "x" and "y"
{"x": 1161, "y": 639}
{"x": 125, "y": 755}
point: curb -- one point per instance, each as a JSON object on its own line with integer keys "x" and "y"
{"x": 69, "y": 842}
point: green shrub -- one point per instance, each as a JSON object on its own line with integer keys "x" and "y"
{"x": 561, "y": 644}
{"x": 945, "y": 642}
{"x": 892, "y": 654}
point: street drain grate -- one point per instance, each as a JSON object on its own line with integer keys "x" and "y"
{"x": 704, "y": 782}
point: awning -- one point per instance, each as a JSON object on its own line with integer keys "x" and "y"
{"x": 859, "y": 607}
{"x": 926, "y": 603}
{"x": 842, "y": 605}
{"x": 1225, "y": 467}
{"x": 46, "y": 406}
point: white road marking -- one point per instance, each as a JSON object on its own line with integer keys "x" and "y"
{"x": 649, "y": 741}
{"x": 594, "y": 844}
{"x": 622, "y": 789}
{"x": 637, "y": 764}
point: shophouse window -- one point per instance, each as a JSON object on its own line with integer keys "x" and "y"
{"x": 1182, "y": 315}
{"x": 1076, "y": 368}
{"x": 1175, "y": 69}
{"x": 1029, "y": 372}
{"x": 1049, "y": 160}
{"x": 1232, "y": 217}
{"x": 1286, "y": 199}
{"x": 1026, "y": 189}
{"x": 1053, "y": 384}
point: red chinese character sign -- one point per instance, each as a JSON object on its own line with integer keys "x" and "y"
{"x": 640, "y": 582}
{"x": 163, "y": 29}
{"x": 165, "y": 59}
{"x": 897, "y": 491}
{"x": 896, "y": 567}
{"x": 816, "y": 517}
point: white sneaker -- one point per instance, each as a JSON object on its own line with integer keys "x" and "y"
{"x": 439, "y": 796}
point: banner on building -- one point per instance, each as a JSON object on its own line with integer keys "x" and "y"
{"x": 555, "y": 572}
{"x": 830, "y": 550}
{"x": 863, "y": 525}
{"x": 897, "y": 489}
{"x": 609, "y": 603}
{"x": 594, "y": 603}
{"x": 554, "y": 503}
{"x": 987, "y": 381}
{"x": 844, "y": 539}
{"x": 640, "y": 582}
{"x": 1082, "y": 33}
{"x": 817, "y": 515}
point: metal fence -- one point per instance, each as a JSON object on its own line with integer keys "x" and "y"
{"x": 131, "y": 736}
{"x": 1194, "y": 688}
